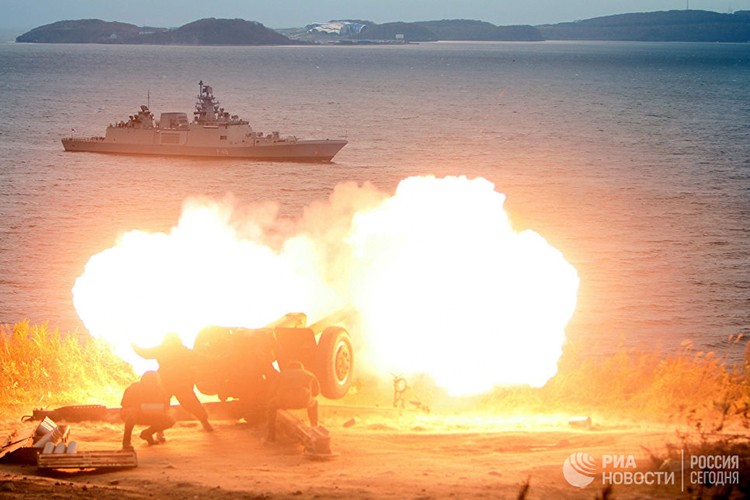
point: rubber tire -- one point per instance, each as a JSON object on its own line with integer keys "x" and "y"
{"x": 335, "y": 362}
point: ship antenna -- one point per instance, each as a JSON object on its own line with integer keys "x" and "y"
{"x": 148, "y": 98}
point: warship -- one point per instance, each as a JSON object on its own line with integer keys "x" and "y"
{"x": 213, "y": 133}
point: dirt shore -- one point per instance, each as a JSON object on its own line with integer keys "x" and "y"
{"x": 379, "y": 454}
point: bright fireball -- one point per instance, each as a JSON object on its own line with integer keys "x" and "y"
{"x": 444, "y": 285}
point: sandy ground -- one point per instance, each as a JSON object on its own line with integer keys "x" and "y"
{"x": 385, "y": 453}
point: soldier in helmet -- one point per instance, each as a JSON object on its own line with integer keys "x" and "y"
{"x": 176, "y": 366}
{"x": 295, "y": 388}
{"x": 145, "y": 403}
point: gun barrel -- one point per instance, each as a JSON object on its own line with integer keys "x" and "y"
{"x": 335, "y": 318}
{"x": 289, "y": 320}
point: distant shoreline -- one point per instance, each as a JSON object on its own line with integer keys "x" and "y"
{"x": 660, "y": 26}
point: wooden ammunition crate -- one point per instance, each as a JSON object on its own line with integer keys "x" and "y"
{"x": 121, "y": 459}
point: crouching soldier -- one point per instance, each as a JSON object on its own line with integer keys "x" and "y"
{"x": 145, "y": 403}
{"x": 176, "y": 369}
{"x": 295, "y": 388}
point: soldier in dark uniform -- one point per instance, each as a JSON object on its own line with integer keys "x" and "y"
{"x": 145, "y": 403}
{"x": 176, "y": 367}
{"x": 295, "y": 388}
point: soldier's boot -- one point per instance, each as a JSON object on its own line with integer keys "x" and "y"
{"x": 145, "y": 435}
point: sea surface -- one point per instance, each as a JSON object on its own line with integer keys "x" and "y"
{"x": 633, "y": 159}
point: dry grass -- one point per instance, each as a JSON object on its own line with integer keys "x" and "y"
{"x": 40, "y": 367}
{"x": 689, "y": 386}
{"x": 690, "y": 389}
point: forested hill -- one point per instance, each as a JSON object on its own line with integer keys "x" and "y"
{"x": 202, "y": 32}
{"x": 668, "y": 26}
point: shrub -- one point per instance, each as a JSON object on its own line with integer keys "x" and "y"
{"x": 44, "y": 368}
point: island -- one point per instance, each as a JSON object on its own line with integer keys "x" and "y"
{"x": 667, "y": 26}
{"x": 209, "y": 31}
{"x": 664, "y": 26}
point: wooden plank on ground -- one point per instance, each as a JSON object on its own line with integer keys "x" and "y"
{"x": 21, "y": 438}
{"x": 120, "y": 459}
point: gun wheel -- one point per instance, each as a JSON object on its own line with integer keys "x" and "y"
{"x": 336, "y": 362}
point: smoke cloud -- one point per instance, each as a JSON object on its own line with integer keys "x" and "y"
{"x": 442, "y": 283}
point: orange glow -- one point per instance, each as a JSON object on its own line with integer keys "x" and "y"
{"x": 442, "y": 283}
{"x": 447, "y": 287}
{"x": 201, "y": 273}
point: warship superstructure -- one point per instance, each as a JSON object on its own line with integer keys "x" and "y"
{"x": 213, "y": 132}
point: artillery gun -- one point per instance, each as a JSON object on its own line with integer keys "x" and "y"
{"x": 241, "y": 363}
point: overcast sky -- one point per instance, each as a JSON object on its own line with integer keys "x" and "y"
{"x": 22, "y": 15}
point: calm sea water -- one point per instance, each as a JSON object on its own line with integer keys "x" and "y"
{"x": 632, "y": 158}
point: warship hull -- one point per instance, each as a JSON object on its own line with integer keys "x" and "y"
{"x": 213, "y": 133}
{"x": 301, "y": 150}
